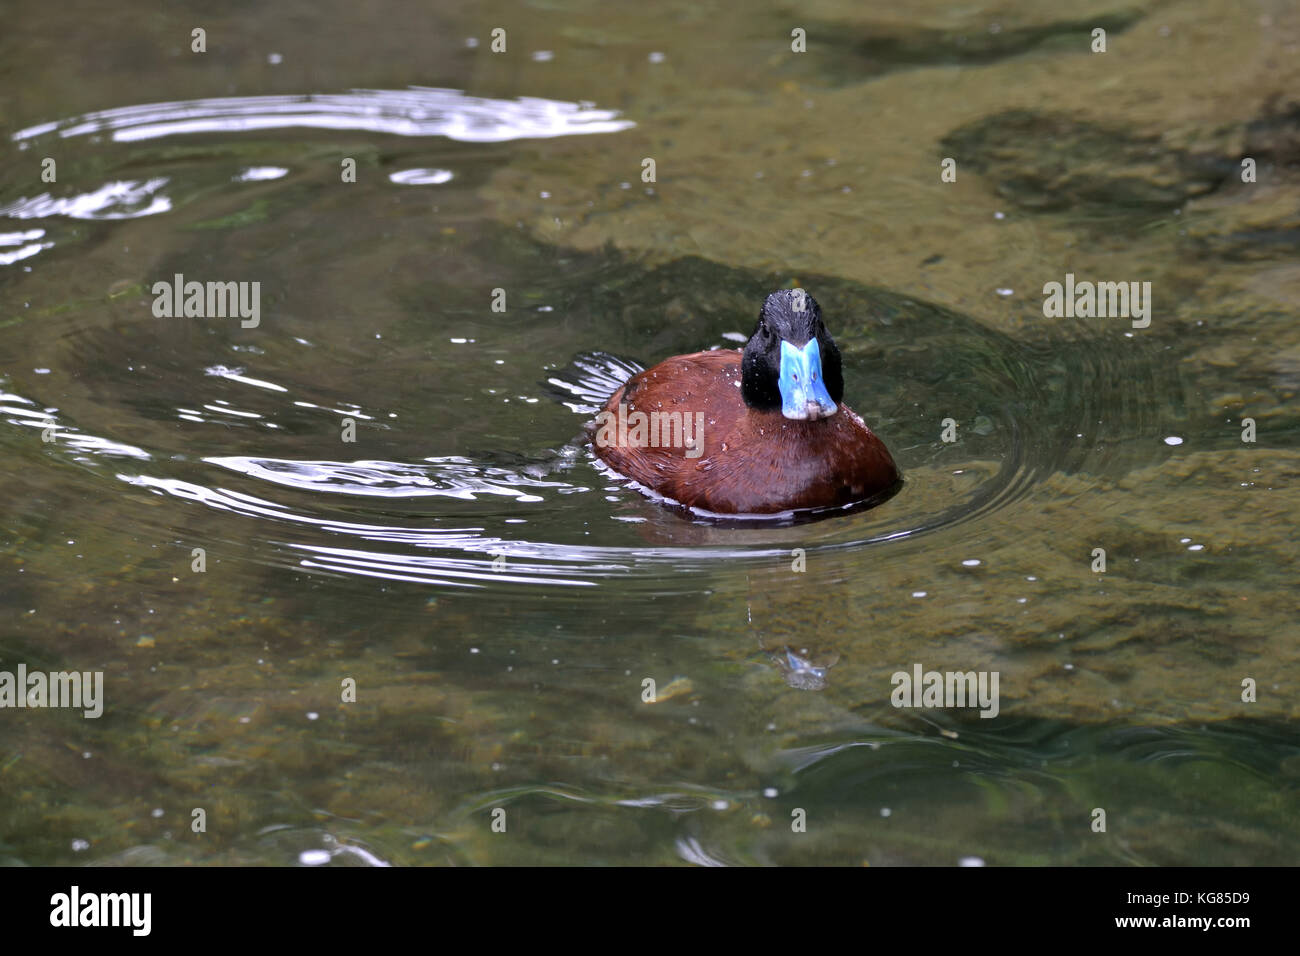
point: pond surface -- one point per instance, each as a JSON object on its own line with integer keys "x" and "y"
{"x": 378, "y": 480}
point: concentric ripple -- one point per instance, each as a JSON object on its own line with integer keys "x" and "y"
{"x": 457, "y": 520}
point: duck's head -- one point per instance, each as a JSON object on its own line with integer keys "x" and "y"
{"x": 791, "y": 362}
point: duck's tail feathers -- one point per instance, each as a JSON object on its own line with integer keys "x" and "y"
{"x": 587, "y": 382}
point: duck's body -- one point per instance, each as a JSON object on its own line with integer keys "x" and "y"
{"x": 760, "y": 432}
{"x": 752, "y": 462}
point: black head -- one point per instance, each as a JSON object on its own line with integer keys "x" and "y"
{"x": 802, "y": 380}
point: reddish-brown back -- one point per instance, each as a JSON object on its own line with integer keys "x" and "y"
{"x": 753, "y": 462}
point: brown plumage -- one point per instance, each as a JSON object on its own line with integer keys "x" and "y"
{"x": 753, "y": 461}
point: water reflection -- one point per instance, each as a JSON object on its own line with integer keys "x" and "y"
{"x": 24, "y": 240}
{"x": 421, "y": 177}
{"x": 488, "y": 558}
{"x": 417, "y": 111}
{"x": 124, "y": 199}
{"x": 562, "y": 492}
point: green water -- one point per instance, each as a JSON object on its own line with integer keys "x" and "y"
{"x": 496, "y": 599}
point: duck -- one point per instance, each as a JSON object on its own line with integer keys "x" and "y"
{"x": 755, "y": 431}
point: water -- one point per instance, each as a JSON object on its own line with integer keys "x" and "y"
{"x": 498, "y": 600}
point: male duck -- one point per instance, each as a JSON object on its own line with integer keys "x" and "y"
{"x": 757, "y": 431}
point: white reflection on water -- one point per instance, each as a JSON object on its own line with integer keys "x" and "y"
{"x": 447, "y": 548}
{"x": 124, "y": 199}
{"x": 12, "y": 405}
{"x": 421, "y": 177}
{"x": 27, "y": 248}
{"x": 256, "y": 174}
{"x": 450, "y": 477}
{"x": 237, "y": 375}
{"x": 418, "y": 111}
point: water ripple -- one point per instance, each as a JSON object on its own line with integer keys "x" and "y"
{"x": 418, "y": 111}
{"x": 122, "y": 199}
